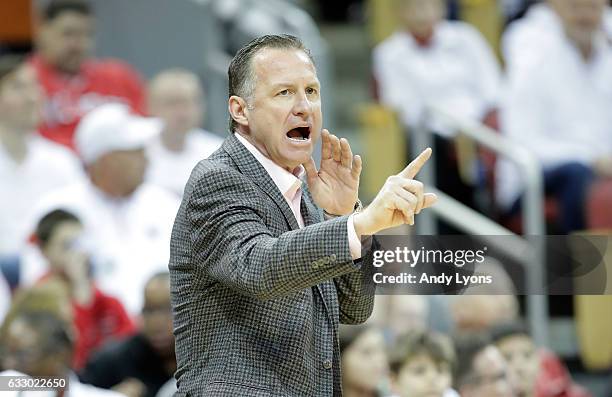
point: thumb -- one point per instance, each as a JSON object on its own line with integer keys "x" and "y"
{"x": 429, "y": 199}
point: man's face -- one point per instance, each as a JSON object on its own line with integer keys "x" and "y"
{"x": 284, "y": 118}
{"x": 119, "y": 173}
{"x": 20, "y": 99}
{"x": 67, "y": 40}
{"x": 420, "y": 17}
{"x": 523, "y": 364}
{"x": 581, "y": 19}
{"x": 177, "y": 100}
{"x": 490, "y": 376}
{"x": 157, "y": 316}
{"x": 364, "y": 362}
{"x": 421, "y": 376}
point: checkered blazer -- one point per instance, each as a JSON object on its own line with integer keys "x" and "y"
{"x": 256, "y": 300}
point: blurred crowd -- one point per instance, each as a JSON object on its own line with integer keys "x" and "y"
{"x": 94, "y": 160}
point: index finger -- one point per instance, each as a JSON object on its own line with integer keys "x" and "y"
{"x": 415, "y": 166}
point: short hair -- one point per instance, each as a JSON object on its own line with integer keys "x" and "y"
{"x": 47, "y": 225}
{"x": 159, "y": 276}
{"x": 53, "y": 332}
{"x": 240, "y": 72}
{"x": 55, "y": 8}
{"x": 9, "y": 64}
{"x": 467, "y": 348}
{"x": 505, "y": 330}
{"x": 176, "y": 72}
{"x": 52, "y": 296}
{"x": 437, "y": 346}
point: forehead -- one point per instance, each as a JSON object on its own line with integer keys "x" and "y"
{"x": 70, "y": 18}
{"x": 489, "y": 360}
{"x": 419, "y": 4}
{"x": 174, "y": 85}
{"x": 272, "y": 66}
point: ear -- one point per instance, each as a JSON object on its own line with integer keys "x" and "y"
{"x": 238, "y": 109}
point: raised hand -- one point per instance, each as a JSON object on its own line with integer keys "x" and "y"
{"x": 335, "y": 186}
{"x": 397, "y": 202}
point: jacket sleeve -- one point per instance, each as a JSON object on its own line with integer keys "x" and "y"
{"x": 233, "y": 245}
{"x": 356, "y": 290}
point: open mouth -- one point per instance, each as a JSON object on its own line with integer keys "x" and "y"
{"x": 299, "y": 134}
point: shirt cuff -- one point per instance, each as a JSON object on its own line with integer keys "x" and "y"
{"x": 354, "y": 243}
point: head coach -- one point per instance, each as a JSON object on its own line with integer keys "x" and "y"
{"x": 266, "y": 249}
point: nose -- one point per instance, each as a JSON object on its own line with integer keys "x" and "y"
{"x": 302, "y": 106}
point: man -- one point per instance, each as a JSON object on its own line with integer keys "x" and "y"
{"x": 175, "y": 96}
{"x": 481, "y": 370}
{"x": 73, "y": 82}
{"x": 259, "y": 281}
{"x": 147, "y": 357}
{"x": 127, "y": 223}
{"x": 558, "y": 107}
{"x": 37, "y": 344}
{"x": 525, "y": 40}
{"x": 432, "y": 61}
{"x": 29, "y": 166}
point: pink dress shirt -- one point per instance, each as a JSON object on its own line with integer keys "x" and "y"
{"x": 290, "y": 185}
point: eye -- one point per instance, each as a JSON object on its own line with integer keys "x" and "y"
{"x": 311, "y": 91}
{"x": 284, "y": 92}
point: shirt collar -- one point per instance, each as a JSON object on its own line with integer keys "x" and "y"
{"x": 288, "y": 183}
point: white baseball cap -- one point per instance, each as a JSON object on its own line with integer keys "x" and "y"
{"x": 111, "y": 127}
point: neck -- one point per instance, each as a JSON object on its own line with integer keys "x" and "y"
{"x": 14, "y": 141}
{"x": 584, "y": 44}
{"x": 173, "y": 141}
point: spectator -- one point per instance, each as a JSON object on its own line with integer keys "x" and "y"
{"x": 147, "y": 357}
{"x": 525, "y": 40}
{"x": 127, "y": 222}
{"x": 176, "y": 97}
{"x": 481, "y": 370}
{"x": 365, "y": 371}
{"x": 52, "y": 297}
{"x": 435, "y": 61}
{"x": 73, "y": 82}
{"x": 38, "y": 343}
{"x": 97, "y": 316}
{"x": 29, "y": 165}
{"x": 406, "y": 313}
{"x": 446, "y": 63}
{"x": 422, "y": 365}
{"x": 558, "y": 107}
{"x": 533, "y": 372}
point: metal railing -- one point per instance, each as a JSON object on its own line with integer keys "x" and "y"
{"x": 472, "y": 222}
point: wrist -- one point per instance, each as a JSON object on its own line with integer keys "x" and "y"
{"x": 361, "y": 226}
{"x": 358, "y": 207}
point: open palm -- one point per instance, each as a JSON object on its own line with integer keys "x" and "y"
{"x": 335, "y": 186}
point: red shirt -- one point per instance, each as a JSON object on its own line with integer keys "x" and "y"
{"x": 554, "y": 380}
{"x": 104, "y": 319}
{"x": 69, "y": 97}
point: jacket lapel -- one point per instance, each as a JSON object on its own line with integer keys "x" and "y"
{"x": 309, "y": 211}
{"x": 250, "y": 167}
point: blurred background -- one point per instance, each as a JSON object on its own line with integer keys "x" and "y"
{"x": 107, "y": 105}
